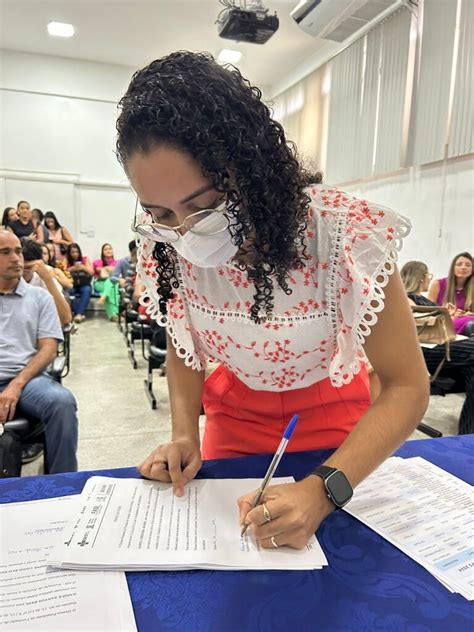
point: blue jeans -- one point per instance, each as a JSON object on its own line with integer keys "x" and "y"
{"x": 55, "y": 406}
{"x": 81, "y": 296}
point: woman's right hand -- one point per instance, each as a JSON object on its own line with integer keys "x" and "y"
{"x": 174, "y": 462}
{"x": 451, "y": 309}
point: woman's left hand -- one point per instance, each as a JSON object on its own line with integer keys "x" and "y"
{"x": 296, "y": 511}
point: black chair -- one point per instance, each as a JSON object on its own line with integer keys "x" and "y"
{"x": 139, "y": 330}
{"x": 124, "y": 302}
{"x": 125, "y": 305}
{"x": 64, "y": 350}
{"x": 441, "y": 386}
{"x": 31, "y": 429}
{"x": 131, "y": 316}
{"x": 429, "y": 430}
{"x": 156, "y": 360}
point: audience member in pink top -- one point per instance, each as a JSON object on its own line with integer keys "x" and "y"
{"x": 104, "y": 266}
{"x": 108, "y": 291}
{"x": 456, "y": 292}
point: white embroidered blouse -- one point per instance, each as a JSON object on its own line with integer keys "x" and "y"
{"x": 315, "y": 332}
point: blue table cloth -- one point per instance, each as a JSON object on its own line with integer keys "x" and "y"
{"x": 368, "y": 585}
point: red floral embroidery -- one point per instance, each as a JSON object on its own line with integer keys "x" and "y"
{"x": 313, "y": 330}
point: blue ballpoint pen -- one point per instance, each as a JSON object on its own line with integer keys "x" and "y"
{"x": 273, "y": 465}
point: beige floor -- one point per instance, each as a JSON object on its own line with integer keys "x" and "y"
{"x": 118, "y": 428}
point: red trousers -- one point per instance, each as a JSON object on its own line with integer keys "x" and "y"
{"x": 242, "y": 421}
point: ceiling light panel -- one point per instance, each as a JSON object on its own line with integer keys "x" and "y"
{"x": 60, "y": 29}
{"x": 229, "y": 56}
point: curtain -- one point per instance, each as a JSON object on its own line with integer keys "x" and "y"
{"x": 461, "y": 139}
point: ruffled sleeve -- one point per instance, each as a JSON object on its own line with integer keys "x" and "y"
{"x": 176, "y": 320}
{"x": 365, "y": 241}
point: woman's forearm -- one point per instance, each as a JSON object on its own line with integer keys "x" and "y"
{"x": 185, "y": 389}
{"x": 394, "y": 352}
{"x": 62, "y": 306}
{"x": 63, "y": 279}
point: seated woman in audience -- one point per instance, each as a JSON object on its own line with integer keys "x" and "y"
{"x": 10, "y": 214}
{"x": 64, "y": 280}
{"x": 58, "y": 263}
{"x": 81, "y": 271}
{"x": 104, "y": 266}
{"x": 37, "y": 216}
{"x": 456, "y": 291}
{"x": 36, "y": 273}
{"x": 24, "y": 225}
{"x": 58, "y": 235}
{"x": 103, "y": 285}
{"x": 416, "y": 279}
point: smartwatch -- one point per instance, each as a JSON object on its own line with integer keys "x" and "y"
{"x": 338, "y": 488}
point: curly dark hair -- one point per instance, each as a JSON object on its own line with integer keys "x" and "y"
{"x": 187, "y": 101}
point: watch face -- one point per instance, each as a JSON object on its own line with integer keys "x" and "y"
{"x": 339, "y": 488}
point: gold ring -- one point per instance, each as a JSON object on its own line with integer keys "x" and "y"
{"x": 266, "y": 514}
{"x": 273, "y": 541}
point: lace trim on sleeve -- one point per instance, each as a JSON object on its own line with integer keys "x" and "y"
{"x": 179, "y": 331}
{"x": 348, "y": 336}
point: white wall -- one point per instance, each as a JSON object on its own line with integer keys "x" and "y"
{"x": 57, "y": 138}
{"x": 57, "y": 131}
{"x": 438, "y": 199}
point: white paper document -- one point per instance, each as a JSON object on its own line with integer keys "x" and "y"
{"x": 136, "y": 524}
{"x": 32, "y": 598}
{"x": 427, "y": 513}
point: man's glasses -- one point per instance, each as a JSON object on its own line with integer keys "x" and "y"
{"x": 193, "y": 223}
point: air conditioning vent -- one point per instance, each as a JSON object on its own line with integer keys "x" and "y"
{"x": 338, "y": 20}
{"x": 345, "y": 30}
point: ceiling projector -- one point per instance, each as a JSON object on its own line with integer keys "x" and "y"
{"x": 249, "y": 22}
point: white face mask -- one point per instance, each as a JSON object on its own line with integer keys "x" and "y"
{"x": 208, "y": 251}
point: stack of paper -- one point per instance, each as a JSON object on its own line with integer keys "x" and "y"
{"x": 32, "y": 598}
{"x": 427, "y": 513}
{"x": 134, "y": 524}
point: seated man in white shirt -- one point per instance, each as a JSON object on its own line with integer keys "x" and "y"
{"x": 29, "y": 335}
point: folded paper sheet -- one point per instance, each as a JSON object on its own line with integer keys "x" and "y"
{"x": 32, "y": 598}
{"x": 135, "y": 524}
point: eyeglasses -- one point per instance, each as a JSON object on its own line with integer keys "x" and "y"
{"x": 429, "y": 275}
{"x": 168, "y": 234}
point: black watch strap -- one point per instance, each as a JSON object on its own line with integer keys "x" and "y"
{"x": 323, "y": 471}
{"x": 338, "y": 488}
